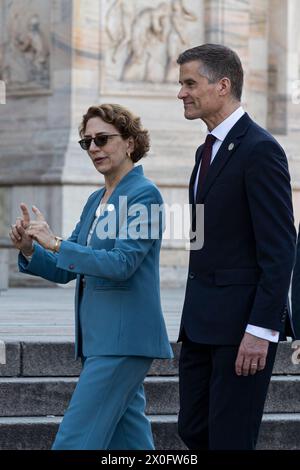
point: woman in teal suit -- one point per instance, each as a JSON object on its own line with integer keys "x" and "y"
{"x": 113, "y": 253}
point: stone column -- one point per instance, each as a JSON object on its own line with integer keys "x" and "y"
{"x": 284, "y": 85}
{"x": 141, "y": 42}
{"x": 59, "y": 57}
{"x": 242, "y": 25}
{"x": 228, "y": 23}
{"x": 257, "y": 70}
{"x": 49, "y": 60}
{"x": 277, "y": 58}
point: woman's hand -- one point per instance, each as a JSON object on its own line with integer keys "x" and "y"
{"x": 18, "y": 236}
{"x": 40, "y": 231}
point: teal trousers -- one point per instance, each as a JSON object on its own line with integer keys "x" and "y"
{"x": 107, "y": 409}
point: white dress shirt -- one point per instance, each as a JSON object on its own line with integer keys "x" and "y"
{"x": 220, "y": 132}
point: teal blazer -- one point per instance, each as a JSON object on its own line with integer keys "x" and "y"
{"x": 118, "y": 312}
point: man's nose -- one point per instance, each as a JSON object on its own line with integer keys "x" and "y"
{"x": 182, "y": 94}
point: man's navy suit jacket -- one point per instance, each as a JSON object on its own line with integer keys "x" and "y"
{"x": 242, "y": 273}
{"x": 296, "y": 291}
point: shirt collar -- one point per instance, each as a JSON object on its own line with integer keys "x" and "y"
{"x": 221, "y": 131}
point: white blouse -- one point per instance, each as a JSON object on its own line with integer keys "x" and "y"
{"x": 99, "y": 211}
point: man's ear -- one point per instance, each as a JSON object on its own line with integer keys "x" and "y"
{"x": 224, "y": 86}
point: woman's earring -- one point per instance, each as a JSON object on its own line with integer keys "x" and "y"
{"x": 128, "y": 154}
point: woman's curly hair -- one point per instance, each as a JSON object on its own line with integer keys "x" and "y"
{"x": 125, "y": 122}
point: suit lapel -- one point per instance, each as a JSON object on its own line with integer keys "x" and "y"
{"x": 225, "y": 152}
{"x": 133, "y": 174}
{"x": 191, "y": 187}
{"x": 90, "y": 218}
{"x": 194, "y": 174}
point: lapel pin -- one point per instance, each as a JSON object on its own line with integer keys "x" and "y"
{"x": 231, "y": 146}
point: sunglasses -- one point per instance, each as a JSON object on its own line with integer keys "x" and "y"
{"x": 99, "y": 141}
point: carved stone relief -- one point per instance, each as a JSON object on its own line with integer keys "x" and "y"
{"x": 143, "y": 43}
{"x": 25, "y": 45}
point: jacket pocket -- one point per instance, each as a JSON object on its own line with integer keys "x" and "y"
{"x": 112, "y": 287}
{"x": 227, "y": 277}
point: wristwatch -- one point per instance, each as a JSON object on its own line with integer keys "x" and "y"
{"x": 58, "y": 240}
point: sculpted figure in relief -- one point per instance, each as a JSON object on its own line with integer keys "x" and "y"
{"x": 177, "y": 37}
{"x": 148, "y": 36}
{"x": 118, "y": 25}
{"x": 151, "y": 37}
{"x": 26, "y": 54}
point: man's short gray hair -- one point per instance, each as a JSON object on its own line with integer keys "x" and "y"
{"x": 218, "y": 61}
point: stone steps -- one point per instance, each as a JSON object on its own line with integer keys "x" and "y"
{"x": 278, "y": 432}
{"x": 38, "y": 379}
{"x": 45, "y": 396}
{"x": 56, "y": 359}
{"x": 37, "y": 433}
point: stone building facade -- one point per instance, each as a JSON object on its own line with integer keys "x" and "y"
{"x": 57, "y": 57}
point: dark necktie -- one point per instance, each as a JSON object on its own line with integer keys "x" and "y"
{"x": 205, "y": 160}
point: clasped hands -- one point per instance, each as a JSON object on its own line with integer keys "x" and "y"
{"x": 25, "y": 230}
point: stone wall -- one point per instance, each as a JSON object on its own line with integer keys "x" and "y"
{"x": 59, "y": 56}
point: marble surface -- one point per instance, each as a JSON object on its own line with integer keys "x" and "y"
{"x": 77, "y": 53}
{"x": 25, "y": 46}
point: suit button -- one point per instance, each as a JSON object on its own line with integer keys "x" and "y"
{"x": 71, "y": 266}
{"x": 192, "y": 275}
{"x": 282, "y": 319}
{"x": 83, "y": 282}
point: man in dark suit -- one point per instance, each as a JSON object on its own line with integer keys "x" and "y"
{"x": 236, "y": 295}
{"x": 296, "y": 291}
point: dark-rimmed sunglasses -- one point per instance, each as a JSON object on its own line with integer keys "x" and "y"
{"x": 99, "y": 141}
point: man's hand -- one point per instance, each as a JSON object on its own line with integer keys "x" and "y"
{"x": 252, "y": 355}
{"x": 18, "y": 236}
